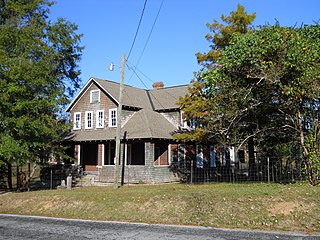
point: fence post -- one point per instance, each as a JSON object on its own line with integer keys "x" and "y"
{"x": 51, "y": 178}
{"x": 191, "y": 177}
{"x": 69, "y": 182}
{"x": 28, "y": 175}
{"x": 17, "y": 176}
{"x": 268, "y": 170}
{"x": 273, "y": 173}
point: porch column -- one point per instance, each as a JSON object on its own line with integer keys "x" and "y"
{"x": 149, "y": 162}
{"x": 78, "y": 153}
{"x": 100, "y": 154}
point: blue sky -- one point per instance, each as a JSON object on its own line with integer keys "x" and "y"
{"x": 109, "y": 27}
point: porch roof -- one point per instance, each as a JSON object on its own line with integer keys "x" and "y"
{"x": 144, "y": 124}
{"x": 148, "y": 124}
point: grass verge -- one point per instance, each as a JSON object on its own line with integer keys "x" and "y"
{"x": 293, "y": 207}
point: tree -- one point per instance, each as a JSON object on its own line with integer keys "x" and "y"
{"x": 220, "y": 34}
{"x": 38, "y": 75}
{"x": 272, "y": 77}
{"x": 259, "y": 87}
{"x": 267, "y": 86}
{"x": 197, "y": 104}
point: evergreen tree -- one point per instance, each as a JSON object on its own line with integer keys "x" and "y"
{"x": 220, "y": 34}
{"x": 38, "y": 75}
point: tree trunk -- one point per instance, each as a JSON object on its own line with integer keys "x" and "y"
{"x": 310, "y": 170}
{"x": 252, "y": 165}
{"x": 18, "y": 178}
{"x": 9, "y": 176}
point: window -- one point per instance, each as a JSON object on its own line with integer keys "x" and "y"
{"x": 100, "y": 119}
{"x": 109, "y": 153}
{"x": 128, "y": 153}
{"x": 89, "y": 117}
{"x": 187, "y": 124}
{"x": 182, "y": 155}
{"x": 199, "y": 156}
{"x": 95, "y": 96}
{"x": 213, "y": 161}
{"x": 77, "y": 120}
{"x": 136, "y": 151}
{"x": 156, "y": 156}
{"x": 161, "y": 157}
{"x": 113, "y": 117}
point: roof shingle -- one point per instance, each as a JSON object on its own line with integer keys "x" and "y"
{"x": 147, "y": 122}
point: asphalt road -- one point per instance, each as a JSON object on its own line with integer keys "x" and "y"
{"x": 23, "y": 228}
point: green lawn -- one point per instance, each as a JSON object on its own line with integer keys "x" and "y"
{"x": 292, "y": 207}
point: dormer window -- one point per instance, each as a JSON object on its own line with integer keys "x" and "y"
{"x": 94, "y": 96}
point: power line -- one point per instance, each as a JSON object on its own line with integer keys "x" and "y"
{"x": 135, "y": 72}
{"x": 145, "y": 86}
{"x": 134, "y": 40}
{"x": 154, "y": 23}
{"x": 146, "y": 43}
{"x": 136, "y": 68}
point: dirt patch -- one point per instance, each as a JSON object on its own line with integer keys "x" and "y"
{"x": 284, "y": 208}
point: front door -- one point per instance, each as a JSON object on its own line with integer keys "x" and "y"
{"x": 89, "y": 157}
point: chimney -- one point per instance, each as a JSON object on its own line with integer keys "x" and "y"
{"x": 157, "y": 85}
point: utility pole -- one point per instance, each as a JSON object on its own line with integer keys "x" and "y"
{"x": 118, "y": 132}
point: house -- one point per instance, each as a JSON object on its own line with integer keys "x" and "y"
{"x": 149, "y": 153}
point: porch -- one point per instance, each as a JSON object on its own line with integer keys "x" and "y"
{"x": 141, "y": 161}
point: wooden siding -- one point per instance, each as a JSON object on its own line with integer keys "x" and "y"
{"x": 84, "y": 105}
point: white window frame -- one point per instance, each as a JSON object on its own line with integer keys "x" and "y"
{"x": 76, "y": 124}
{"x": 190, "y": 124}
{"x": 91, "y": 94}
{"x": 128, "y": 154}
{"x": 100, "y": 120}
{"x": 169, "y": 154}
{"x": 87, "y": 120}
{"x": 113, "y": 117}
{"x": 183, "y": 122}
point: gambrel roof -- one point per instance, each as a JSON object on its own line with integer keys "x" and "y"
{"x": 146, "y": 122}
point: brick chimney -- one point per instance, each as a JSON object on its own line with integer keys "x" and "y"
{"x": 157, "y": 85}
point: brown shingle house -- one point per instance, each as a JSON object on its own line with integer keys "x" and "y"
{"x": 149, "y": 117}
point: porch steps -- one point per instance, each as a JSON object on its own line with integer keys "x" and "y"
{"x": 91, "y": 179}
{"x": 86, "y": 180}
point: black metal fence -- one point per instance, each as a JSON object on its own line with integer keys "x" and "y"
{"x": 33, "y": 177}
{"x": 264, "y": 169}
{"x": 278, "y": 169}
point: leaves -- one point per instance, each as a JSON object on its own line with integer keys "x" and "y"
{"x": 206, "y": 102}
{"x": 265, "y": 85}
{"x": 220, "y": 35}
{"x": 38, "y": 75}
